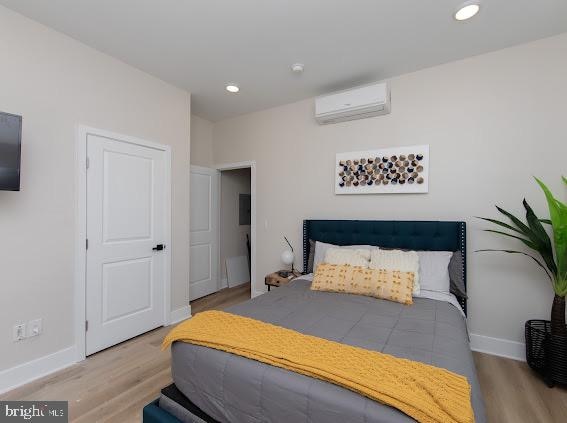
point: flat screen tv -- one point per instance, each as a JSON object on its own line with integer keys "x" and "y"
{"x": 10, "y": 151}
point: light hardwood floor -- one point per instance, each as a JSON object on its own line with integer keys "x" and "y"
{"x": 114, "y": 385}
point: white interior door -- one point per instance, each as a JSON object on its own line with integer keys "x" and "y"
{"x": 126, "y": 220}
{"x": 204, "y": 257}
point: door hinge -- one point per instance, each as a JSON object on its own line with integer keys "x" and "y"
{"x": 86, "y": 325}
{"x": 87, "y": 243}
{"x": 88, "y": 162}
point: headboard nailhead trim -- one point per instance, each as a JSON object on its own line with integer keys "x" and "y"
{"x": 305, "y": 246}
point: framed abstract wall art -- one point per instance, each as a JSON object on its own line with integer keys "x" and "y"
{"x": 396, "y": 170}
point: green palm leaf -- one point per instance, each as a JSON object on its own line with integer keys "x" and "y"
{"x": 558, "y": 215}
{"x": 544, "y": 243}
{"x": 535, "y": 237}
{"x": 499, "y": 223}
{"x": 525, "y": 229}
{"x": 535, "y": 224}
{"x": 519, "y": 252}
{"x": 525, "y": 241}
{"x": 528, "y": 232}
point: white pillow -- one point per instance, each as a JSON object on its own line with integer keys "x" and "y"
{"x": 322, "y": 247}
{"x": 357, "y": 257}
{"x": 434, "y": 270}
{"x": 406, "y": 261}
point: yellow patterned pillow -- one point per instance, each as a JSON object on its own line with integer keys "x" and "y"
{"x": 393, "y": 285}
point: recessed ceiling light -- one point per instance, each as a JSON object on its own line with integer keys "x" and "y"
{"x": 467, "y": 10}
{"x": 232, "y": 88}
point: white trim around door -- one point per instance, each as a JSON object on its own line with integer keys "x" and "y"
{"x": 81, "y": 228}
{"x": 252, "y": 166}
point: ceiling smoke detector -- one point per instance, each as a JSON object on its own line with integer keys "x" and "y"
{"x": 297, "y": 67}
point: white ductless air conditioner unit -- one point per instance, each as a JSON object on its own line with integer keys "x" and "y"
{"x": 356, "y": 103}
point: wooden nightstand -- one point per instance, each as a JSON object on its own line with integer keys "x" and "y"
{"x": 274, "y": 279}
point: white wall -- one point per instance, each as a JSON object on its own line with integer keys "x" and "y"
{"x": 492, "y": 122}
{"x": 56, "y": 83}
{"x": 232, "y": 235}
{"x": 201, "y": 142}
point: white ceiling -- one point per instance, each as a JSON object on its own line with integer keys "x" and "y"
{"x": 201, "y": 45}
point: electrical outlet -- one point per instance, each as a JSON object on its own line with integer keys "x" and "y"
{"x": 19, "y": 332}
{"x": 35, "y": 327}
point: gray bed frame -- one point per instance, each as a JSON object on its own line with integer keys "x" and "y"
{"x": 411, "y": 235}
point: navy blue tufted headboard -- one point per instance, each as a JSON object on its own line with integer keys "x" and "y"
{"x": 410, "y": 235}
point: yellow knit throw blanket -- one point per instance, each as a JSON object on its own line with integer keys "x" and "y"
{"x": 426, "y": 393}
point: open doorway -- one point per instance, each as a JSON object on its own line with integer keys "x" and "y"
{"x": 235, "y": 227}
{"x": 249, "y": 166}
{"x": 223, "y": 231}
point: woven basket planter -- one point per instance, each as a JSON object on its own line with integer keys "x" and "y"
{"x": 546, "y": 353}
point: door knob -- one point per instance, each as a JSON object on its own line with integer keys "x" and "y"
{"x": 159, "y": 247}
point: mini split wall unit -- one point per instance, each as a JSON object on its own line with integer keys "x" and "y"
{"x": 357, "y": 103}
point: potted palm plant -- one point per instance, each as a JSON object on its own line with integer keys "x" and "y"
{"x": 546, "y": 341}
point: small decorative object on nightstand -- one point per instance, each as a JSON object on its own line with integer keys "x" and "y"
{"x": 280, "y": 278}
{"x": 287, "y": 256}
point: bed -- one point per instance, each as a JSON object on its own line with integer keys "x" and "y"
{"x": 211, "y": 385}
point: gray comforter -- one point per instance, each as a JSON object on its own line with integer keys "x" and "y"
{"x": 230, "y": 388}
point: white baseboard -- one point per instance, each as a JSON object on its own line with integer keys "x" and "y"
{"x": 257, "y": 293}
{"x": 26, "y": 372}
{"x": 500, "y": 347}
{"x": 180, "y": 314}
